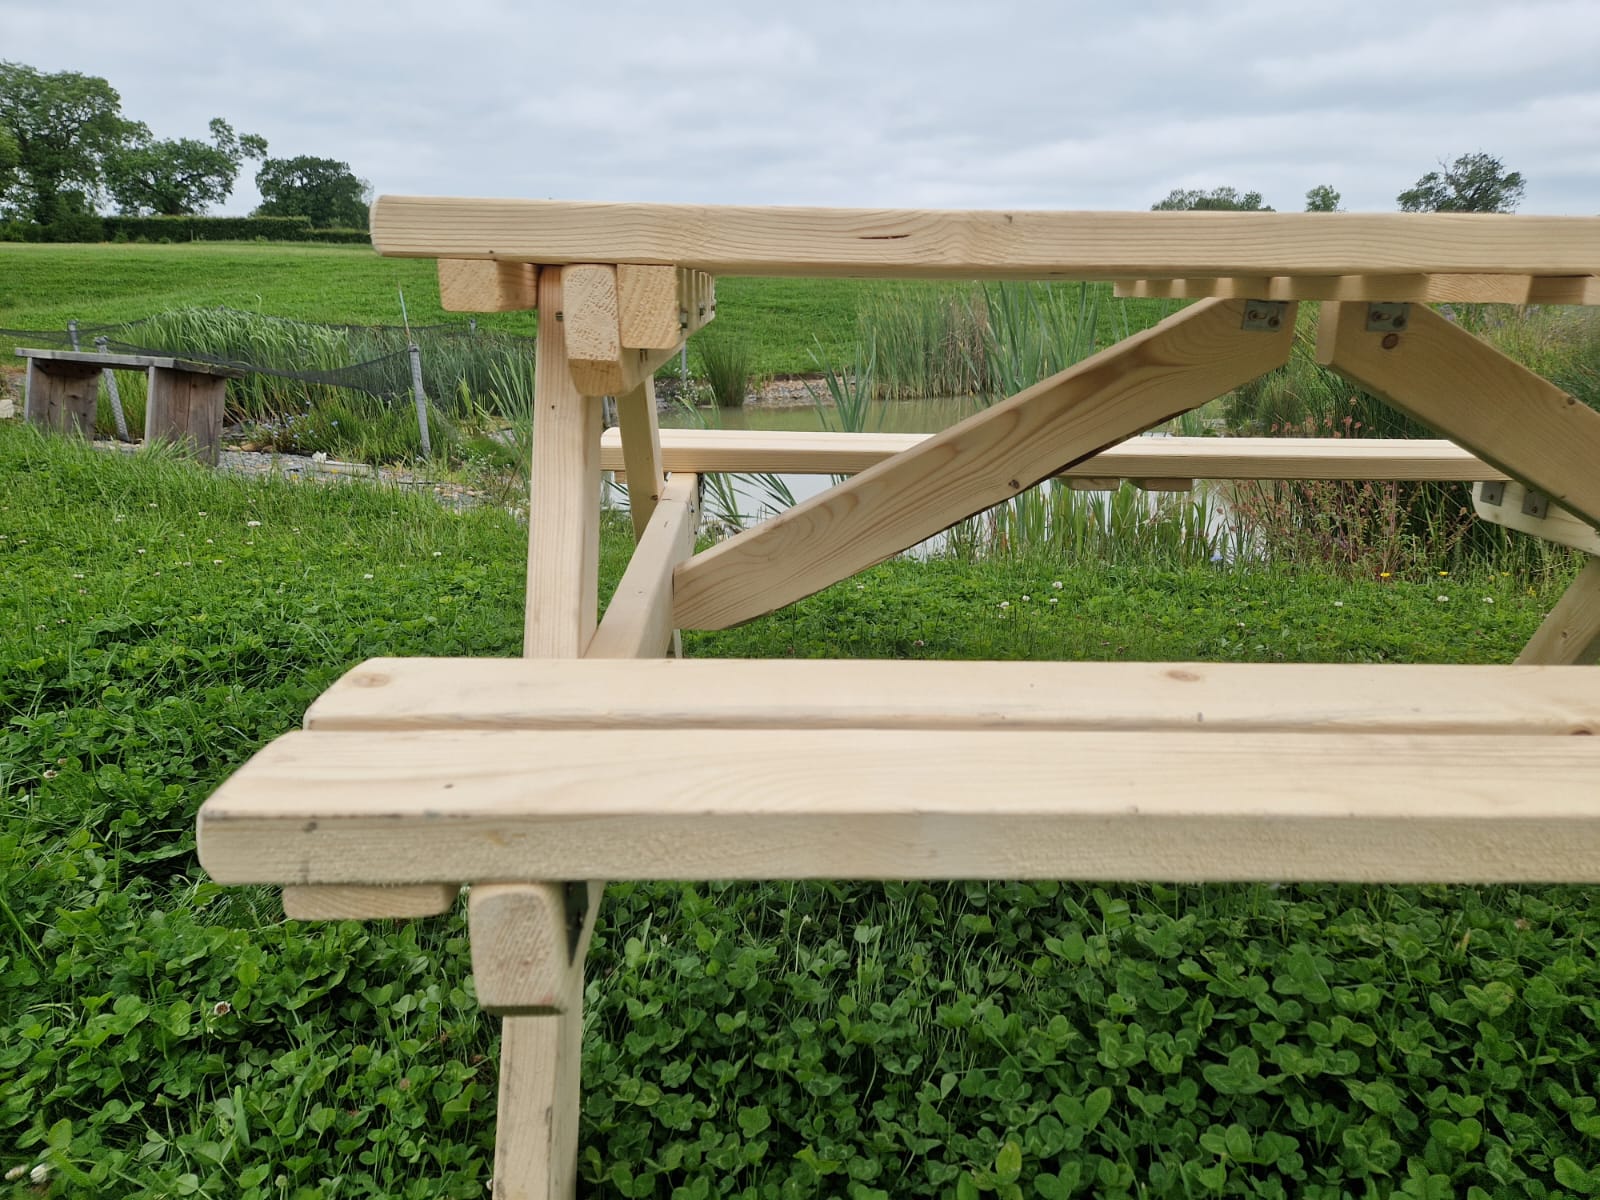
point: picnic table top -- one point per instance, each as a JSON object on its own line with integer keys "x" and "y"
{"x": 94, "y": 358}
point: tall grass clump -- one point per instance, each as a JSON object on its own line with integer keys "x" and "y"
{"x": 728, "y": 369}
{"x": 927, "y": 341}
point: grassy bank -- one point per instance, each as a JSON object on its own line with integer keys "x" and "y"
{"x": 44, "y": 286}
{"x": 163, "y": 1036}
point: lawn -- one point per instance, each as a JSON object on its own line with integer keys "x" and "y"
{"x": 164, "y": 1036}
{"x": 42, "y": 287}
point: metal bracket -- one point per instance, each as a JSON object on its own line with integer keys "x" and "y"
{"x": 1491, "y": 493}
{"x": 1518, "y": 507}
{"x": 1535, "y": 504}
{"x": 576, "y": 897}
{"x": 1387, "y": 318}
{"x": 1263, "y": 316}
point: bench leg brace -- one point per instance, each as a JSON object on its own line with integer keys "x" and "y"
{"x": 528, "y": 947}
{"x": 1571, "y": 633}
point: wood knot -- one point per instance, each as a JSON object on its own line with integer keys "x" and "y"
{"x": 369, "y": 679}
{"x": 1183, "y": 676}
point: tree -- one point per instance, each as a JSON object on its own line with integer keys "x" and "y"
{"x": 1217, "y": 199}
{"x": 60, "y": 127}
{"x": 1322, "y": 198}
{"x": 1473, "y": 183}
{"x": 322, "y": 189}
{"x": 177, "y": 178}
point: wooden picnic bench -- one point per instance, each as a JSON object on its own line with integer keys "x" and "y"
{"x": 184, "y": 403}
{"x": 594, "y": 757}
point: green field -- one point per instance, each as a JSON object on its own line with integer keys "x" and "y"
{"x": 161, "y": 1035}
{"x": 45, "y": 286}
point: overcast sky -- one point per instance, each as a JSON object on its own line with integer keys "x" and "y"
{"x": 979, "y": 104}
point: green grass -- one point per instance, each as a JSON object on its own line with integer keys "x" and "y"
{"x": 43, "y": 286}
{"x": 164, "y": 1036}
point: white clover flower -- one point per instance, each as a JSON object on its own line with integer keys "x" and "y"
{"x": 1338, "y": 603}
{"x": 40, "y": 1173}
{"x": 1005, "y": 604}
{"x": 1026, "y": 598}
{"x": 368, "y": 575}
{"x": 1442, "y": 599}
{"x": 1056, "y": 584}
{"x": 15, "y": 1173}
{"x": 253, "y": 524}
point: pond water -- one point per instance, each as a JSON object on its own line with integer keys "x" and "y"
{"x": 741, "y": 500}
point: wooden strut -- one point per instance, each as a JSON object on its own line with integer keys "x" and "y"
{"x": 1570, "y": 634}
{"x": 1151, "y": 377}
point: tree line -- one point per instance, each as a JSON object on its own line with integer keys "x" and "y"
{"x": 67, "y": 153}
{"x": 1472, "y": 183}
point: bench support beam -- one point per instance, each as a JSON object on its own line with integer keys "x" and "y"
{"x": 61, "y": 396}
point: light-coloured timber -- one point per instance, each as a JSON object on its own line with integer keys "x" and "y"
{"x": 911, "y": 243}
{"x": 523, "y": 960}
{"x": 1431, "y": 289}
{"x": 564, "y": 512}
{"x": 638, "y": 621}
{"x": 481, "y": 286}
{"x": 639, "y": 431}
{"x": 907, "y": 804}
{"x": 1552, "y": 522}
{"x": 400, "y": 694}
{"x": 536, "y": 1130}
{"x": 990, "y": 457}
{"x": 1163, "y": 485}
{"x": 1470, "y": 392}
{"x": 799, "y": 453}
{"x": 342, "y": 903}
{"x": 1571, "y": 631}
{"x": 602, "y": 362}
{"x": 649, "y": 314}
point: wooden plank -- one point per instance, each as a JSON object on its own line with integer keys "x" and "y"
{"x": 602, "y": 363}
{"x": 482, "y": 286}
{"x": 984, "y": 245}
{"x": 536, "y": 1129}
{"x": 353, "y": 903}
{"x": 638, "y": 621}
{"x": 185, "y": 408}
{"x": 61, "y": 397}
{"x": 797, "y": 453}
{"x": 649, "y": 316}
{"x": 1163, "y": 485}
{"x": 564, "y": 512}
{"x": 1431, "y": 289}
{"x": 639, "y": 431}
{"x": 1476, "y": 396}
{"x": 1571, "y": 633}
{"x": 1151, "y": 377}
{"x": 907, "y": 804}
{"x": 523, "y": 961}
{"x": 1550, "y": 522}
{"x": 484, "y": 693}
{"x": 134, "y": 362}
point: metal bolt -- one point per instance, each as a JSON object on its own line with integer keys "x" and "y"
{"x": 1391, "y": 340}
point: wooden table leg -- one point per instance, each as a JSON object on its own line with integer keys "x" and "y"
{"x": 61, "y": 396}
{"x": 186, "y": 408}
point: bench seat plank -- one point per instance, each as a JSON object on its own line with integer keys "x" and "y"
{"x": 801, "y": 453}
{"x": 488, "y": 693}
{"x": 519, "y": 805}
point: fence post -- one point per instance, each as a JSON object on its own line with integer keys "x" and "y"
{"x": 72, "y": 332}
{"x": 421, "y": 397}
{"x": 110, "y": 376}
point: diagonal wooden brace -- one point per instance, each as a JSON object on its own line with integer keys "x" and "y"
{"x": 1468, "y": 391}
{"x": 1179, "y": 364}
{"x": 1571, "y": 633}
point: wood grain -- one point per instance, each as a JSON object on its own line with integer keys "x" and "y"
{"x": 799, "y": 453}
{"x": 1470, "y": 392}
{"x": 339, "y": 903}
{"x": 984, "y": 245}
{"x": 522, "y": 960}
{"x": 487, "y": 693}
{"x": 1183, "y": 362}
{"x": 1555, "y": 525}
{"x": 478, "y": 285}
{"x": 1433, "y": 289}
{"x": 901, "y": 804}
{"x": 639, "y": 432}
{"x": 649, "y": 315}
{"x": 564, "y": 512}
{"x": 638, "y": 621}
{"x": 1571, "y": 631}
